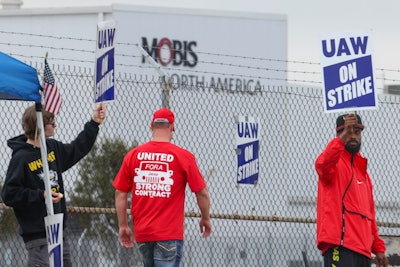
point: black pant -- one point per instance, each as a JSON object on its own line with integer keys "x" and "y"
{"x": 343, "y": 257}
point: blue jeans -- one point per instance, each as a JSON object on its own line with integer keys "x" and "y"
{"x": 161, "y": 253}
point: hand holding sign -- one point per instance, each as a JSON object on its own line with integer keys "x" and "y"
{"x": 99, "y": 113}
{"x": 352, "y": 125}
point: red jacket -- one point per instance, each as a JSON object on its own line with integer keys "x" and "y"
{"x": 344, "y": 186}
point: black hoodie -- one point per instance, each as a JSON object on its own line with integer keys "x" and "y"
{"x": 24, "y": 186}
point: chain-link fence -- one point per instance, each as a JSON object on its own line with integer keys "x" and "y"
{"x": 271, "y": 223}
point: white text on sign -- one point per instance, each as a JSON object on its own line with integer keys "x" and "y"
{"x": 351, "y": 88}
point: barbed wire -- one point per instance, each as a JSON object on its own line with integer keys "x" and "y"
{"x": 136, "y": 44}
{"x": 197, "y": 71}
{"x": 46, "y": 36}
{"x": 135, "y": 56}
{"x": 301, "y": 75}
{"x": 148, "y": 67}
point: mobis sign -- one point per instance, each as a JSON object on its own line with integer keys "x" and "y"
{"x": 172, "y": 53}
{"x": 175, "y": 52}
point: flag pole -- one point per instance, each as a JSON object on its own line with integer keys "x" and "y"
{"x": 166, "y": 94}
{"x": 53, "y": 222}
{"x": 43, "y": 152}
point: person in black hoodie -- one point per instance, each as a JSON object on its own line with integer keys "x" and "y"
{"x": 24, "y": 188}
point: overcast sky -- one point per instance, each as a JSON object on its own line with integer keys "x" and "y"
{"x": 308, "y": 20}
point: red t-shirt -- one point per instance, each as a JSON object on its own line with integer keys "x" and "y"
{"x": 157, "y": 173}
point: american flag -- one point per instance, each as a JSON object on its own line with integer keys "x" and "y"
{"x": 52, "y": 96}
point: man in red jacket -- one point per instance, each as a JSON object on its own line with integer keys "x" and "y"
{"x": 347, "y": 233}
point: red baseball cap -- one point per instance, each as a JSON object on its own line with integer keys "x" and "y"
{"x": 163, "y": 115}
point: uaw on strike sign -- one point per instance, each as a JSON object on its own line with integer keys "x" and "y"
{"x": 247, "y": 147}
{"x": 54, "y": 235}
{"x": 349, "y": 81}
{"x": 104, "y": 66}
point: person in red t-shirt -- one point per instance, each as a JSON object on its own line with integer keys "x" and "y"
{"x": 156, "y": 173}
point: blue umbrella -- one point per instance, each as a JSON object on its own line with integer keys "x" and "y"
{"x": 18, "y": 81}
